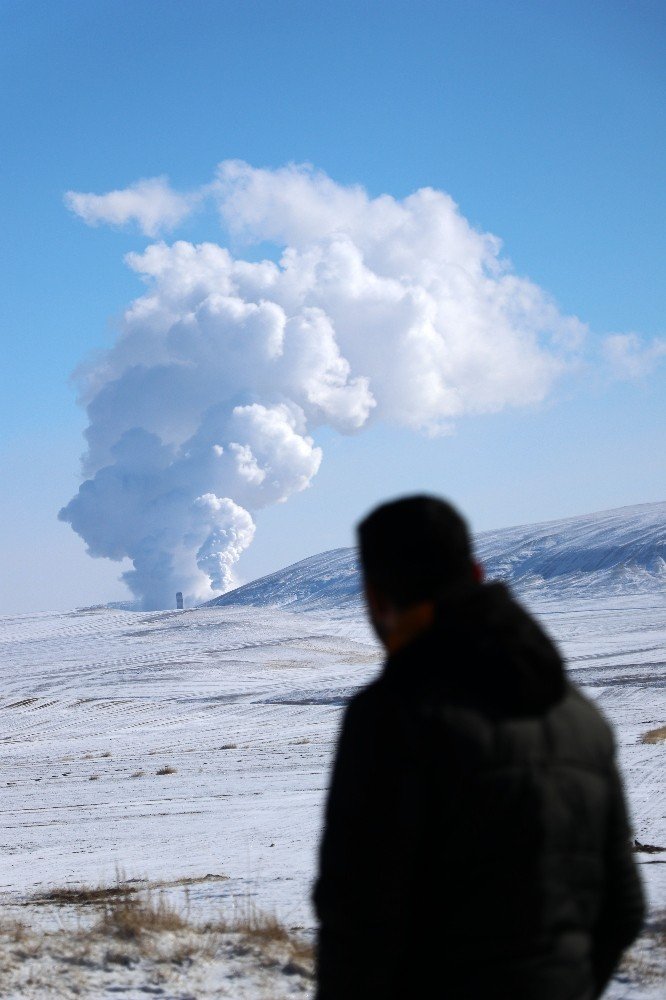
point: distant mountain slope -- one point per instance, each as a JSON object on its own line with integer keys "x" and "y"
{"x": 328, "y": 580}
{"x": 621, "y": 550}
{"x": 614, "y": 551}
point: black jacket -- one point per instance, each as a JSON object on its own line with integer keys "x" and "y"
{"x": 476, "y": 842}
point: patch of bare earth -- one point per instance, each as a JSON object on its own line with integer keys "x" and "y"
{"x": 96, "y": 941}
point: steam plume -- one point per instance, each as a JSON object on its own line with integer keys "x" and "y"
{"x": 204, "y": 410}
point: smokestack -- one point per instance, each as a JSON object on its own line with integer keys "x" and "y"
{"x": 179, "y": 600}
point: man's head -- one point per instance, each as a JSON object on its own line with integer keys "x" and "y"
{"x": 413, "y": 550}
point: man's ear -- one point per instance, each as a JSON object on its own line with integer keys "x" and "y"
{"x": 478, "y": 572}
{"x": 373, "y": 598}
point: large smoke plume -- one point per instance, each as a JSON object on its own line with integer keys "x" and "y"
{"x": 207, "y": 407}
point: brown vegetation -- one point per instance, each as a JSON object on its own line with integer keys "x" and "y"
{"x": 167, "y": 769}
{"x": 262, "y": 930}
{"x": 133, "y": 936}
{"x": 128, "y": 917}
{"x": 130, "y": 922}
{"x": 254, "y": 924}
{"x": 14, "y": 930}
{"x": 657, "y": 735}
{"x": 84, "y": 895}
{"x": 646, "y": 959}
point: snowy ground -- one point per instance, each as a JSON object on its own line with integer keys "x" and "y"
{"x": 243, "y": 704}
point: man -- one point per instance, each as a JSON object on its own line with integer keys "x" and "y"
{"x": 476, "y": 842}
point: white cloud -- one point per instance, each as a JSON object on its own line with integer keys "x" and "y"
{"x": 379, "y": 309}
{"x": 630, "y": 357}
{"x": 151, "y": 203}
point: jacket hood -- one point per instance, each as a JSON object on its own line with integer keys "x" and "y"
{"x": 484, "y": 652}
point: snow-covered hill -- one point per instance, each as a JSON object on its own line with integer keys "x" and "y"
{"x": 193, "y": 748}
{"x": 619, "y": 551}
{"x": 325, "y": 582}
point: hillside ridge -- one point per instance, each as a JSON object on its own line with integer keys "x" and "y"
{"x": 622, "y": 550}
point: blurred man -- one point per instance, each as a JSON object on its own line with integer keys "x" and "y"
{"x": 476, "y": 842}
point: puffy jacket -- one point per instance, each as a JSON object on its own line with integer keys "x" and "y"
{"x": 476, "y": 841}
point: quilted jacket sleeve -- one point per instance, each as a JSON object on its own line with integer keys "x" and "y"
{"x": 623, "y": 904}
{"x": 364, "y": 877}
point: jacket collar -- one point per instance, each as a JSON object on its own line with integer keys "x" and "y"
{"x": 484, "y": 650}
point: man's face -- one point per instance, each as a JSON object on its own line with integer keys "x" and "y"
{"x": 380, "y": 612}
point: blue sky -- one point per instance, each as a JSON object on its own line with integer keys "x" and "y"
{"x": 543, "y": 121}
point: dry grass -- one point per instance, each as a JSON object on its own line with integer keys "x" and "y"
{"x": 229, "y": 746}
{"x": 138, "y": 936}
{"x": 139, "y": 774}
{"x": 646, "y": 959}
{"x": 94, "y": 777}
{"x": 84, "y": 895}
{"x": 302, "y": 956}
{"x": 264, "y": 931}
{"x": 167, "y": 769}
{"x": 129, "y": 917}
{"x": 654, "y": 735}
{"x": 15, "y": 931}
{"x": 185, "y": 881}
{"x": 253, "y": 923}
{"x": 133, "y": 923}
{"x": 125, "y": 911}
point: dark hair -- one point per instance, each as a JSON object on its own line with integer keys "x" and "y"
{"x": 414, "y": 548}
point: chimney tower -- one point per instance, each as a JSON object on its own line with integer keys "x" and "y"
{"x": 179, "y": 600}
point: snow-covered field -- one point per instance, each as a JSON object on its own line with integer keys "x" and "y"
{"x": 242, "y": 704}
